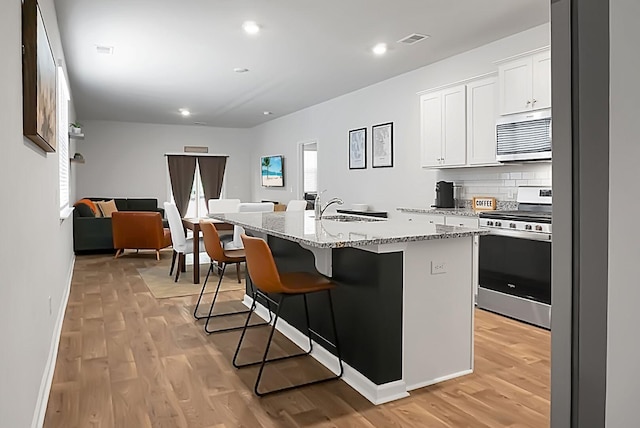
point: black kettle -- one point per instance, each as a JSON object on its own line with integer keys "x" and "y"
{"x": 444, "y": 194}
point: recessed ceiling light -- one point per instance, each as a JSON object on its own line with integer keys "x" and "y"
{"x": 267, "y": 113}
{"x": 104, "y": 50}
{"x": 240, "y": 70}
{"x": 185, "y": 112}
{"x": 380, "y": 49}
{"x": 251, "y": 27}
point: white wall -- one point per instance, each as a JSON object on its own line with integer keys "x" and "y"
{"x": 623, "y": 350}
{"x": 394, "y": 100}
{"x": 127, "y": 159}
{"x": 36, "y": 252}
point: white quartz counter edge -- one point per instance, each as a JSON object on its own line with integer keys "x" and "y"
{"x": 442, "y": 211}
{"x": 447, "y": 232}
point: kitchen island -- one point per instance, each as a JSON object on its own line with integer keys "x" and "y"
{"x": 404, "y": 300}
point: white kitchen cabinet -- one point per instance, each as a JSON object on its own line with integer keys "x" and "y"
{"x": 482, "y": 112}
{"x": 525, "y": 83}
{"x": 443, "y": 127}
{"x": 462, "y": 221}
{"x": 453, "y": 220}
{"x": 471, "y": 222}
{"x": 429, "y": 218}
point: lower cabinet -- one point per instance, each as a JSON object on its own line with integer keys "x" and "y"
{"x": 454, "y": 220}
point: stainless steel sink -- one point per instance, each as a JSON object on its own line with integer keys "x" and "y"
{"x": 348, "y": 218}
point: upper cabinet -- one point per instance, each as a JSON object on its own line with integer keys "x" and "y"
{"x": 458, "y": 124}
{"x": 525, "y": 83}
{"x": 443, "y": 122}
{"x": 482, "y": 111}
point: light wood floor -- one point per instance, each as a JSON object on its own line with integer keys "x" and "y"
{"x": 129, "y": 360}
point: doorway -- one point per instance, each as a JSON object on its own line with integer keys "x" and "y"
{"x": 308, "y": 172}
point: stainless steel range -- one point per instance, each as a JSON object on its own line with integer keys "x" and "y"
{"x": 515, "y": 259}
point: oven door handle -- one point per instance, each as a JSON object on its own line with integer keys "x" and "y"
{"x": 533, "y": 236}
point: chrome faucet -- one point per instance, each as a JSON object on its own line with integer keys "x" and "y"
{"x": 318, "y": 210}
{"x": 331, "y": 202}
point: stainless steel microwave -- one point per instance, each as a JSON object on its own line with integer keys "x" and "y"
{"x": 524, "y": 136}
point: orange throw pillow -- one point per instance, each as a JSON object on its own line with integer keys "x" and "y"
{"x": 90, "y": 204}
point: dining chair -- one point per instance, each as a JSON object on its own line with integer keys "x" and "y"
{"x": 223, "y": 205}
{"x": 181, "y": 244}
{"x": 297, "y": 205}
{"x": 268, "y": 283}
{"x": 246, "y": 207}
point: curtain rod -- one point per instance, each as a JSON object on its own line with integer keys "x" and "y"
{"x": 195, "y": 154}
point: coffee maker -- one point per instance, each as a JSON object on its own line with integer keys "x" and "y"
{"x": 444, "y": 195}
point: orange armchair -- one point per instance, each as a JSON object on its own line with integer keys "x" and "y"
{"x": 139, "y": 230}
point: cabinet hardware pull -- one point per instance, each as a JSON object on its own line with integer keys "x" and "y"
{"x": 528, "y": 102}
{"x": 534, "y": 101}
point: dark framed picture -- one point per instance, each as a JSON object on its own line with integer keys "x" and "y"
{"x": 358, "y": 148}
{"x": 38, "y": 80}
{"x": 382, "y": 145}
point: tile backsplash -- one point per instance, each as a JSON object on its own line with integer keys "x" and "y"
{"x": 501, "y": 182}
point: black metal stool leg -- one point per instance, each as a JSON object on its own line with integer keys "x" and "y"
{"x": 244, "y": 330}
{"x": 265, "y": 359}
{"x": 211, "y": 315}
{"x": 195, "y": 311}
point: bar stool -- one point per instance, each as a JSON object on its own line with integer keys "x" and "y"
{"x": 266, "y": 279}
{"x": 214, "y": 249}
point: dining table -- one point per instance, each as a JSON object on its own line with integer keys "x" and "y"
{"x": 193, "y": 224}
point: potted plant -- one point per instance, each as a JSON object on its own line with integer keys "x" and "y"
{"x": 75, "y": 128}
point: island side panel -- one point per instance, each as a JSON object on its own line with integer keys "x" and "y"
{"x": 439, "y": 310}
{"x": 367, "y": 301}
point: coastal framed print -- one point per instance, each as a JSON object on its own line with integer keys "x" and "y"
{"x": 38, "y": 80}
{"x": 382, "y": 145}
{"x": 358, "y": 148}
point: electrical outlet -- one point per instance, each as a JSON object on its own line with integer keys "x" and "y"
{"x": 438, "y": 268}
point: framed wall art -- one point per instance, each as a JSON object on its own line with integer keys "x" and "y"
{"x": 38, "y": 80}
{"x": 358, "y": 148}
{"x": 382, "y": 145}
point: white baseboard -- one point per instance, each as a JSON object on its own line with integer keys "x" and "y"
{"x": 438, "y": 380}
{"x": 47, "y": 377}
{"x": 376, "y": 394}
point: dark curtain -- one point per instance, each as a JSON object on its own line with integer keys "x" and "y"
{"x": 212, "y": 174}
{"x": 181, "y": 171}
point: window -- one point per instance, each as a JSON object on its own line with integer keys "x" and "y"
{"x": 197, "y": 204}
{"x": 63, "y": 140}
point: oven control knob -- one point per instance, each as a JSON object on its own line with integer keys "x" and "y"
{"x": 498, "y": 223}
{"x": 539, "y": 228}
{"x": 528, "y": 227}
{"x": 512, "y": 225}
{"x": 489, "y": 223}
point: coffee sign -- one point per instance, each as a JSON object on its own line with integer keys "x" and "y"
{"x": 484, "y": 203}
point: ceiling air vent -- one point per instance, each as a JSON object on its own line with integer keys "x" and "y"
{"x": 413, "y": 38}
{"x": 104, "y": 50}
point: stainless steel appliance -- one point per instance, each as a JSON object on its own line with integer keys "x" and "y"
{"x": 515, "y": 259}
{"x": 444, "y": 194}
{"x": 523, "y": 137}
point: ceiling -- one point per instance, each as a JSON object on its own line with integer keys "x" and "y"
{"x": 172, "y": 54}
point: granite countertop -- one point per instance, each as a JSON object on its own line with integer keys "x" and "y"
{"x": 302, "y": 227}
{"x": 467, "y": 212}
